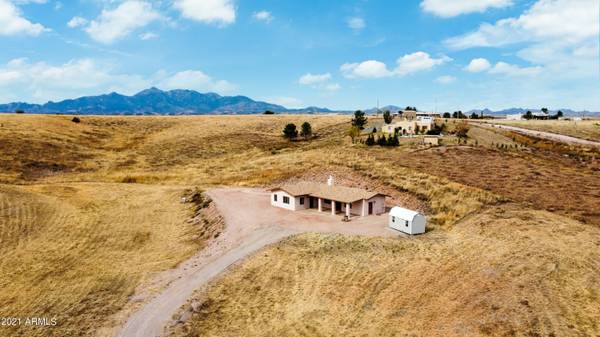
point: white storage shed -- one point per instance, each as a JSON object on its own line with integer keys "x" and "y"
{"x": 407, "y": 221}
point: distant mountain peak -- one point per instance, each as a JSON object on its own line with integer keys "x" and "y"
{"x": 155, "y": 101}
{"x": 149, "y": 91}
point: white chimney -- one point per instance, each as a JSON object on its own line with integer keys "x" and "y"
{"x": 330, "y": 181}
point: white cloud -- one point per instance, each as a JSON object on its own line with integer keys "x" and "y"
{"x": 556, "y": 34}
{"x": 514, "y": 70}
{"x": 148, "y": 36}
{"x": 39, "y": 82}
{"x": 332, "y": 87}
{"x": 195, "y": 80}
{"x": 288, "y": 102}
{"x": 117, "y": 23}
{"x": 416, "y": 62}
{"x": 451, "y": 8}
{"x": 77, "y": 21}
{"x": 25, "y": 2}
{"x": 545, "y": 20}
{"x": 265, "y": 16}
{"x": 367, "y": 69}
{"x": 220, "y": 12}
{"x": 12, "y": 21}
{"x": 446, "y": 79}
{"x": 309, "y": 79}
{"x": 478, "y": 65}
{"x": 407, "y": 64}
{"x": 356, "y": 23}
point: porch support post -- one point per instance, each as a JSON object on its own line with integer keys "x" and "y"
{"x": 320, "y": 207}
{"x": 332, "y": 207}
{"x": 348, "y": 209}
{"x": 362, "y": 212}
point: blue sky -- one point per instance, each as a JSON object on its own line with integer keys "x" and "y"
{"x": 433, "y": 54}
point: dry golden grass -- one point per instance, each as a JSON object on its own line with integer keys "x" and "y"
{"x": 586, "y": 129}
{"x": 77, "y": 251}
{"x": 90, "y": 211}
{"x": 504, "y": 272}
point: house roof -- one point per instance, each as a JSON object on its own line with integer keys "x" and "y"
{"x": 404, "y": 213}
{"x": 337, "y": 193}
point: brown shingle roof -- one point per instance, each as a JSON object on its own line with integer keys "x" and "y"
{"x": 337, "y": 193}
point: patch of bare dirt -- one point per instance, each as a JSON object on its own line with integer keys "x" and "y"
{"x": 547, "y": 182}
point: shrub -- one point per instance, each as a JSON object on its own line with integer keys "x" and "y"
{"x": 289, "y": 131}
{"x": 19, "y": 111}
{"x": 370, "y": 140}
{"x": 76, "y": 120}
{"x": 306, "y": 130}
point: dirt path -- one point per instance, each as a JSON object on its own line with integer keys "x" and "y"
{"x": 545, "y": 135}
{"x": 251, "y": 224}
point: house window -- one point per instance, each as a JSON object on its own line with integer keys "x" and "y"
{"x": 286, "y": 200}
{"x": 406, "y": 223}
{"x": 275, "y": 197}
{"x": 393, "y": 219}
{"x": 302, "y": 201}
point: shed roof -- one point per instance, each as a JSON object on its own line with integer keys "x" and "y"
{"x": 337, "y": 193}
{"x": 404, "y": 213}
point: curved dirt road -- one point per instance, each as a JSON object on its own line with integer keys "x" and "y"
{"x": 251, "y": 224}
{"x": 545, "y": 135}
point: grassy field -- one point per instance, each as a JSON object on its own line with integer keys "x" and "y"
{"x": 91, "y": 211}
{"x": 536, "y": 279}
{"x": 585, "y": 129}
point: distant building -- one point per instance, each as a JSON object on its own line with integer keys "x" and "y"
{"x": 407, "y": 127}
{"x": 514, "y": 117}
{"x": 431, "y": 140}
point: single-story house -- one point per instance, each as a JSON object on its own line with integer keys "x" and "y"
{"x": 407, "y": 221}
{"x": 328, "y": 197}
{"x": 408, "y": 127}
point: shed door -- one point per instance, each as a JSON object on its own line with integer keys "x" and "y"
{"x": 370, "y": 207}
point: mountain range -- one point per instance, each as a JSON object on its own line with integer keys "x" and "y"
{"x": 154, "y": 101}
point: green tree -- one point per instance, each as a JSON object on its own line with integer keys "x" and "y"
{"x": 559, "y": 114}
{"x": 290, "y": 131}
{"x": 354, "y": 133}
{"x": 359, "y": 120}
{"x": 306, "y": 130}
{"x": 268, "y": 112}
{"x": 19, "y": 111}
{"x": 447, "y": 115}
{"x": 528, "y": 115}
{"x": 370, "y": 140}
{"x": 382, "y": 141}
{"x": 387, "y": 117}
{"x": 545, "y": 110}
{"x": 474, "y": 116}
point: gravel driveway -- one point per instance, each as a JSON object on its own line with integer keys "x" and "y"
{"x": 251, "y": 224}
{"x": 545, "y": 135}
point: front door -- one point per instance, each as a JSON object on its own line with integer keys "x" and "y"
{"x": 370, "y": 207}
{"x": 311, "y": 201}
{"x": 338, "y": 206}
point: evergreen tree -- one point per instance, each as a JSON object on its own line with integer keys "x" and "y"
{"x": 306, "y": 130}
{"x": 387, "y": 117}
{"x": 359, "y": 120}
{"x": 290, "y": 131}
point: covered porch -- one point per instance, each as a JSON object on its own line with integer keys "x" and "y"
{"x": 334, "y": 207}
